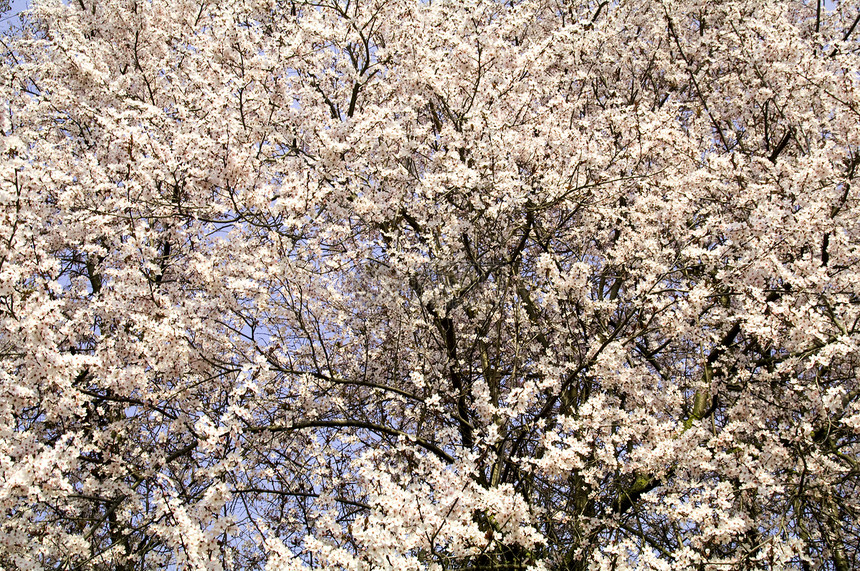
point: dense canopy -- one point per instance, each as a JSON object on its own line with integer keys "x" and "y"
{"x": 452, "y": 284}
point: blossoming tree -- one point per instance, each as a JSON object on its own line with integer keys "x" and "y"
{"x": 390, "y": 284}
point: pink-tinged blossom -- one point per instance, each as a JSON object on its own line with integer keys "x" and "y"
{"x": 392, "y": 284}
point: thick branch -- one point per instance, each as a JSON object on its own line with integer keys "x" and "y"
{"x": 355, "y": 424}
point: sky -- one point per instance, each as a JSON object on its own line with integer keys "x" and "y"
{"x": 7, "y": 18}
